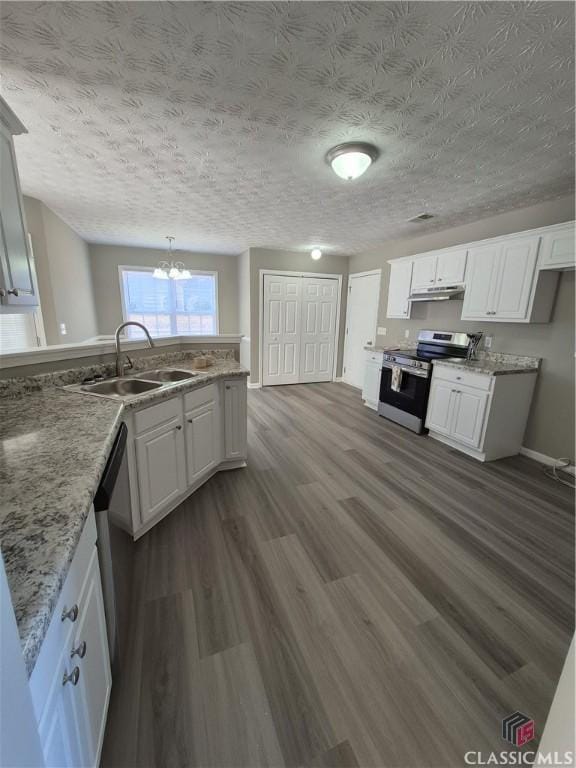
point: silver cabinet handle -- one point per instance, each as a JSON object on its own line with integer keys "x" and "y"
{"x": 71, "y": 614}
{"x": 190, "y": 421}
{"x": 2, "y": 293}
{"x": 458, "y": 378}
{"x": 440, "y": 279}
{"x": 227, "y": 386}
{"x": 73, "y": 677}
{"x": 79, "y": 651}
{"x": 179, "y": 426}
{"x": 14, "y": 292}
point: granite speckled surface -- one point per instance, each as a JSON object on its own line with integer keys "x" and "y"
{"x": 493, "y": 364}
{"x": 54, "y": 445}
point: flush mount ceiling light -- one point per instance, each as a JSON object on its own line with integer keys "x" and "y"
{"x": 171, "y": 270}
{"x": 316, "y": 254}
{"x": 352, "y": 159}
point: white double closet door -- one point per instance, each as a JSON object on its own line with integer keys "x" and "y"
{"x": 299, "y": 333}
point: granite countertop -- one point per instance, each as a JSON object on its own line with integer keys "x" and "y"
{"x": 54, "y": 445}
{"x": 390, "y": 348}
{"x": 493, "y": 364}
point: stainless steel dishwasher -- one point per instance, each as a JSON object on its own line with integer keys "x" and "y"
{"x": 115, "y": 545}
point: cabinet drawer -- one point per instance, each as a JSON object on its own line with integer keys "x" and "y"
{"x": 157, "y": 414}
{"x": 60, "y": 632}
{"x": 199, "y": 397}
{"x": 374, "y": 357}
{"x": 458, "y": 376}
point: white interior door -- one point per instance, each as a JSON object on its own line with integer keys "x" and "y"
{"x": 318, "y": 328}
{"x": 281, "y": 336}
{"x": 361, "y": 319}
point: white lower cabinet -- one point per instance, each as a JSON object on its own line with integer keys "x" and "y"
{"x": 235, "y": 419}
{"x": 203, "y": 453}
{"x": 71, "y": 681}
{"x": 372, "y": 375}
{"x": 485, "y": 416}
{"x": 161, "y": 467}
{"x": 469, "y": 411}
{"x": 176, "y": 445}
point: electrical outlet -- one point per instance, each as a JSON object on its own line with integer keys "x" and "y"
{"x": 488, "y": 342}
{"x": 381, "y": 331}
{"x": 407, "y": 333}
{"x": 63, "y": 330}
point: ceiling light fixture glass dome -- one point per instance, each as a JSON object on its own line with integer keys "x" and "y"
{"x": 351, "y": 160}
{"x": 316, "y": 254}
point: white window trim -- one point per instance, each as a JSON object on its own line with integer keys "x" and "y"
{"x": 135, "y": 267}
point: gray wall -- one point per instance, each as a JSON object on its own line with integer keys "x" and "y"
{"x": 64, "y": 278}
{"x": 105, "y": 260}
{"x": 550, "y": 428}
{"x": 292, "y": 261}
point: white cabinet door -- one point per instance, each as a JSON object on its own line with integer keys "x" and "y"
{"x": 372, "y": 375}
{"x": 90, "y": 649}
{"x": 235, "y": 419}
{"x": 440, "y": 407}
{"x": 318, "y": 328}
{"x": 59, "y": 729}
{"x": 558, "y": 249}
{"x": 161, "y": 467}
{"x": 16, "y": 281}
{"x": 281, "y": 337}
{"x": 481, "y": 277}
{"x": 399, "y": 290}
{"x": 516, "y": 274}
{"x": 469, "y": 411}
{"x": 424, "y": 272}
{"x": 451, "y": 268}
{"x": 202, "y": 440}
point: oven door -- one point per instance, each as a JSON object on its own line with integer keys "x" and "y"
{"x": 413, "y": 395}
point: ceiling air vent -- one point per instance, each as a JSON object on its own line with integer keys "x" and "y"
{"x": 422, "y": 217}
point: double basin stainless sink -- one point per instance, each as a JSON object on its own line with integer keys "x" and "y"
{"x": 129, "y": 386}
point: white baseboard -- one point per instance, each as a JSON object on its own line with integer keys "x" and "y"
{"x": 541, "y": 458}
{"x": 338, "y": 378}
{"x": 254, "y": 385}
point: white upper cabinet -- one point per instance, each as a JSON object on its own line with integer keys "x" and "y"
{"x": 424, "y": 272}
{"x": 480, "y": 281}
{"x": 439, "y": 270}
{"x": 502, "y": 283}
{"x": 511, "y": 279}
{"x": 517, "y": 271}
{"x": 16, "y": 277}
{"x": 451, "y": 268}
{"x": 399, "y": 289}
{"x": 558, "y": 249}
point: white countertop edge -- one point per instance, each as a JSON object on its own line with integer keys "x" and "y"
{"x": 102, "y": 347}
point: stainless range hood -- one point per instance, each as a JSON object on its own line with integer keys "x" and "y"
{"x": 437, "y": 293}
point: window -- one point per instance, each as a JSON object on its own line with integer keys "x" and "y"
{"x": 18, "y": 332}
{"x": 169, "y": 307}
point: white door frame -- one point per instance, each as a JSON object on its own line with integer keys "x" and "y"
{"x": 287, "y": 273}
{"x": 350, "y": 276}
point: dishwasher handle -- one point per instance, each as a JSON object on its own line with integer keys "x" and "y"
{"x": 108, "y": 480}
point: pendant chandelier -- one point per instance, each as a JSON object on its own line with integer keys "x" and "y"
{"x": 169, "y": 269}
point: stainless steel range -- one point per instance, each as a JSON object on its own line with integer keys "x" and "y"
{"x": 406, "y": 374}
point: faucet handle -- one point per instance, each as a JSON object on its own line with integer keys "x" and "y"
{"x": 130, "y": 364}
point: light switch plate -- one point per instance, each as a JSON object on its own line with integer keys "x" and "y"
{"x": 488, "y": 342}
{"x": 381, "y": 331}
{"x": 407, "y": 333}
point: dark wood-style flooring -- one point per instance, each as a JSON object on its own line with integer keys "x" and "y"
{"x": 358, "y": 596}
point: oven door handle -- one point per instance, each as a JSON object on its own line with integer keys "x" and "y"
{"x": 423, "y": 374}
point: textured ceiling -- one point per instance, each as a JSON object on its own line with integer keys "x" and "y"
{"x": 210, "y": 121}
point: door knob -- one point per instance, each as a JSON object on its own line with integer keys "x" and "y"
{"x": 71, "y": 614}
{"x": 73, "y": 677}
{"x": 79, "y": 651}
